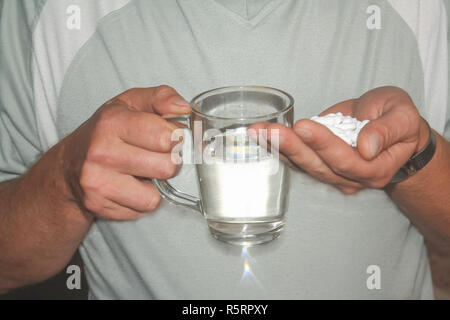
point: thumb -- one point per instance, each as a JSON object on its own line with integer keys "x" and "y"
{"x": 392, "y": 127}
{"x": 163, "y": 100}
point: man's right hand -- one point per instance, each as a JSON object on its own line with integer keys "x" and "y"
{"x": 102, "y": 170}
{"x": 107, "y": 159}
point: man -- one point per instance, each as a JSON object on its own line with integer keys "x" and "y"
{"x": 71, "y": 163}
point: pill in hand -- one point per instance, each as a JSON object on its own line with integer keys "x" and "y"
{"x": 345, "y": 127}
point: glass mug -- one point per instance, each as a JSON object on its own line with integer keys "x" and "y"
{"x": 243, "y": 184}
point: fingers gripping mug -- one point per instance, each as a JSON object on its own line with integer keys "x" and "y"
{"x": 243, "y": 184}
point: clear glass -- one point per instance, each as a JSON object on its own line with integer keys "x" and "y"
{"x": 243, "y": 185}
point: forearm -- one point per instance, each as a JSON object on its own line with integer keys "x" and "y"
{"x": 425, "y": 197}
{"x": 40, "y": 227}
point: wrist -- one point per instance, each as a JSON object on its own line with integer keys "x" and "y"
{"x": 50, "y": 175}
{"x": 422, "y": 155}
{"x": 68, "y": 154}
{"x": 423, "y": 137}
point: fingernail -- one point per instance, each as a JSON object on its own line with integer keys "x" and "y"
{"x": 303, "y": 133}
{"x": 374, "y": 145}
{"x": 181, "y": 102}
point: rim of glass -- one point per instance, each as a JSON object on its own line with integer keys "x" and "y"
{"x": 242, "y": 88}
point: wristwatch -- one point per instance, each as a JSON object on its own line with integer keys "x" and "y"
{"x": 417, "y": 161}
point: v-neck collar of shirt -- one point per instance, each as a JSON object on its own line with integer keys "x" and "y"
{"x": 240, "y": 10}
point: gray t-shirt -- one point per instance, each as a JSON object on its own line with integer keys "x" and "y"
{"x": 60, "y": 60}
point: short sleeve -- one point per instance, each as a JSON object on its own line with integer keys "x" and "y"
{"x": 19, "y": 140}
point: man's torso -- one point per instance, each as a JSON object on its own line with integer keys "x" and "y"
{"x": 321, "y": 52}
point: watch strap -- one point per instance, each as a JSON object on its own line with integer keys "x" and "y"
{"x": 417, "y": 161}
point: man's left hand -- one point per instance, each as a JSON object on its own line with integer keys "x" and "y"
{"x": 395, "y": 133}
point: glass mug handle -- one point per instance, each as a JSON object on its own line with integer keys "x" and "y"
{"x": 171, "y": 194}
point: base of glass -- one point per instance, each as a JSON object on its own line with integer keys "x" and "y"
{"x": 245, "y": 234}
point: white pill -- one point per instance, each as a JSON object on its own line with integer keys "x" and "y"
{"x": 348, "y": 120}
{"x": 337, "y": 130}
{"x": 326, "y": 121}
{"x": 348, "y": 126}
{"x": 345, "y": 127}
